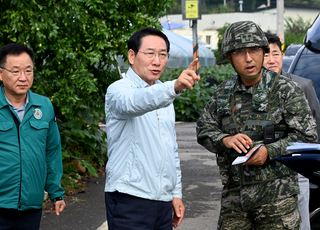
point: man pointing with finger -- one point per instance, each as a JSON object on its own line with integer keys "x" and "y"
{"x": 255, "y": 107}
{"x": 143, "y": 176}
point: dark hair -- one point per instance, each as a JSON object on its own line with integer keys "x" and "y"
{"x": 14, "y": 49}
{"x": 272, "y": 38}
{"x": 134, "y": 42}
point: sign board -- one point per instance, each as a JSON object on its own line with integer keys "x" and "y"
{"x": 191, "y": 10}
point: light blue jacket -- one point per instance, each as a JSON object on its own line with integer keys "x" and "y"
{"x": 142, "y": 149}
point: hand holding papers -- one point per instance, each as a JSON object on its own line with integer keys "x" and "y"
{"x": 243, "y": 159}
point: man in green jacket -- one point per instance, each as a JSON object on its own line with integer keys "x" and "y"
{"x": 30, "y": 146}
{"x": 257, "y": 107}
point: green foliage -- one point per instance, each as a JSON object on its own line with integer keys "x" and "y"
{"x": 74, "y": 43}
{"x": 68, "y": 182}
{"x": 216, "y": 9}
{"x": 305, "y": 2}
{"x": 191, "y": 103}
{"x": 69, "y": 178}
{"x": 218, "y": 52}
{"x": 207, "y": 7}
{"x": 219, "y": 73}
{"x": 295, "y": 30}
{"x": 176, "y": 8}
{"x": 216, "y": 6}
{"x": 222, "y": 9}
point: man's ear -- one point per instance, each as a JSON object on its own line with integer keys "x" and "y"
{"x": 131, "y": 56}
{"x": 229, "y": 58}
{"x": 1, "y": 72}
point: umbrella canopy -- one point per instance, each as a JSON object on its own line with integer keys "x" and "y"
{"x": 172, "y": 25}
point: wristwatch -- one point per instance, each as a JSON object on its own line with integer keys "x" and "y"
{"x": 56, "y": 199}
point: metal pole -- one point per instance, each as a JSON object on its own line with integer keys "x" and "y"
{"x": 118, "y": 67}
{"x": 195, "y": 45}
{"x": 280, "y": 20}
{"x": 240, "y": 2}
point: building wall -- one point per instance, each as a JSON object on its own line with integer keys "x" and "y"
{"x": 266, "y": 19}
{"x": 306, "y": 14}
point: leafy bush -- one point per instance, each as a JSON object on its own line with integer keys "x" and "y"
{"x": 218, "y": 52}
{"x": 295, "y": 30}
{"x": 222, "y": 9}
{"x": 75, "y": 42}
{"x": 207, "y": 7}
{"x": 191, "y": 103}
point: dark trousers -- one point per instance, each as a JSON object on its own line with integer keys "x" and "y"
{"x": 13, "y": 219}
{"x": 126, "y": 212}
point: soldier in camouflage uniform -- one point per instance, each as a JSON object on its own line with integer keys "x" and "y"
{"x": 262, "y": 193}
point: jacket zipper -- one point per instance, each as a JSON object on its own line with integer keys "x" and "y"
{"x": 17, "y": 123}
{"x": 20, "y": 170}
{"x": 164, "y": 160}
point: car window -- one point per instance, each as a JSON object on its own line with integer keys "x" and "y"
{"x": 292, "y": 49}
{"x": 308, "y": 67}
{"x": 286, "y": 61}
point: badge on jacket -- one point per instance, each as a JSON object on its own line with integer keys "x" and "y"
{"x": 37, "y": 114}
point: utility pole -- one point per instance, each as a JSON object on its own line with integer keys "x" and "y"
{"x": 191, "y": 11}
{"x": 224, "y": 2}
{"x": 280, "y": 21}
{"x": 195, "y": 45}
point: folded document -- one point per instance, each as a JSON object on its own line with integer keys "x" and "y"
{"x": 242, "y": 159}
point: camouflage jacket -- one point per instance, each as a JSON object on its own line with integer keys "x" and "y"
{"x": 236, "y": 109}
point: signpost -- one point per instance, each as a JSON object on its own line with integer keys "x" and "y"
{"x": 280, "y": 23}
{"x": 191, "y": 11}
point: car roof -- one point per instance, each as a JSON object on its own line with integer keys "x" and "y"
{"x": 286, "y": 61}
{"x": 292, "y": 49}
{"x": 312, "y": 38}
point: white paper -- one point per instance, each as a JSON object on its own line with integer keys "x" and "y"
{"x": 300, "y": 147}
{"x": 242, "y": 159}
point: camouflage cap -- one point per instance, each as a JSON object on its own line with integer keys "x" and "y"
{"x": 241, "y": 35}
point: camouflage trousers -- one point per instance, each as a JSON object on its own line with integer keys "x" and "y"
{"x": 282, "y": 214}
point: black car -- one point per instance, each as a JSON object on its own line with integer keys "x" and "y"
{"x": 289, "y": 55}
{"x": 306, "y": 63}
{"x": 292, "y": 49}
{"x": 286, "y": 62}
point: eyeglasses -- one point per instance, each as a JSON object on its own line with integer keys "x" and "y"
{"x": 18, "y": 73}
{"x": 241, "y": 52}
{"x": 150, "y": 55}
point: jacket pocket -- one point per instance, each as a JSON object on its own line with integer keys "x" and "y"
{"x": 35, "y": 198}
{"x": 39, "y": 124}
{"x": 5, "y": 126}
{"x": 8, "y": 134}
{"x": 37, "y": 135}
{"x": 223, "y": 105}
{"x": 261, "y": 106}
{"x": 292, "y": 217}
{"x": 224, "y": 111}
